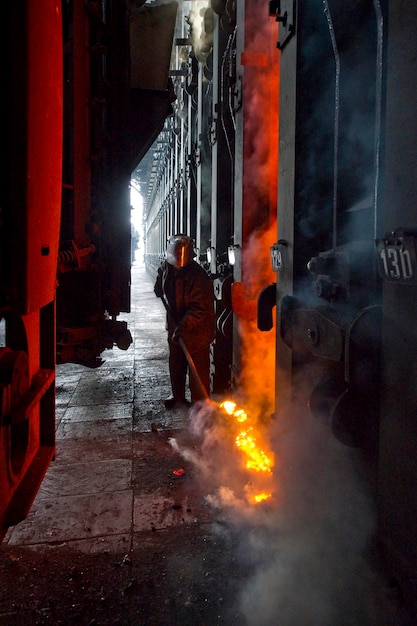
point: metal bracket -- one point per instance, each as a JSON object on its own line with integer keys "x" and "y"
{"x": 236, "y": 94}
{"x": 266, "y": 301}
{"x": 213, "y": 132}
{"x": 284, "y": 13}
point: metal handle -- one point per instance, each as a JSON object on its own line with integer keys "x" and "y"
{"x": 193, "y": 369}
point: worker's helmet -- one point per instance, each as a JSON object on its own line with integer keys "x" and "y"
{"x": 180, "y": 250}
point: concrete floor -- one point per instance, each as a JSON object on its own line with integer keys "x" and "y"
{"x": 113, "y": 473}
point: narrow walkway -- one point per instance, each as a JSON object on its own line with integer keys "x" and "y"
{"x": 119, "y": 505}
{"x": 100, "y": 417}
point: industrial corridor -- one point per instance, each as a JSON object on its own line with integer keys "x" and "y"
{"x": 120, "y": 532}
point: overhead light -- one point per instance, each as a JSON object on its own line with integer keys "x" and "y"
{"x": 211, "y": 254}
{"x": 232, "y": 253}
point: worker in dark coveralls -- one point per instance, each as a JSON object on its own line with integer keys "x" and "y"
{"x": 187, "y": 292}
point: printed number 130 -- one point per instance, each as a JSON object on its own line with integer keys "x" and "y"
{"x": 397, "y": 263}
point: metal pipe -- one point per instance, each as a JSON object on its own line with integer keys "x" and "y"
{"x": 193, "y": 369}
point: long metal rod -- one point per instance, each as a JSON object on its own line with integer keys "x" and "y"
{"x": 193, "y": 369}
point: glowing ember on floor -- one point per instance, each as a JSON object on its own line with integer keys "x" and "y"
{"x": 256, "y": 458}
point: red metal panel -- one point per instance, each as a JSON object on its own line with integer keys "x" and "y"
{"x": 40, "y": 135}
{"x": 30, "y": 238}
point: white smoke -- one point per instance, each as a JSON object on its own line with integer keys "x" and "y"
{"x": 306, "y": 547}
{"x": 310, "y": 552}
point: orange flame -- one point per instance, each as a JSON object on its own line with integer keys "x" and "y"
{"x": 261, "y": 496}
{"x": 256, "y": 458}
{"x": 259, "y": 231}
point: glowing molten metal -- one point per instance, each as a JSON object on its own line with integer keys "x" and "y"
{"x": 256, "y": 458}
{"x": 261, "y": 496}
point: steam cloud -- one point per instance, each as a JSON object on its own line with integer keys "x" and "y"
{"x": 305, "y": 547}
{"x": 309, "y": 553}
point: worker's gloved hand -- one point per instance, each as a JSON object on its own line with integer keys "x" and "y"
{"x": 175, "y": 336}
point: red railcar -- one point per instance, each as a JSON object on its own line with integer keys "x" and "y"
{"x": 31, "y": 177}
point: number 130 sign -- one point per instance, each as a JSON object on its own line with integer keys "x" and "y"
{"x": 397, "y": 260}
